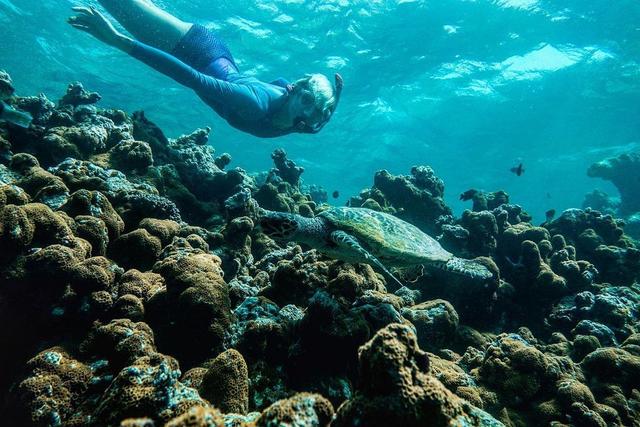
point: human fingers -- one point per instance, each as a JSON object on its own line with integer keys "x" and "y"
{"x": 79, "y": 27}
{"x": 80, "y": 20}
{"x": 82, "y": 9}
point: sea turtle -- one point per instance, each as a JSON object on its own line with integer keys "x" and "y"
{"x": 367, "y": 236}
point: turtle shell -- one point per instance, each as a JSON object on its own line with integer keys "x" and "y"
{"x": 390, "y": 239}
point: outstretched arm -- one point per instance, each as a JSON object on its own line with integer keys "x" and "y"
{"x": 93, "y": 22}
{"x": 172, "y": 67}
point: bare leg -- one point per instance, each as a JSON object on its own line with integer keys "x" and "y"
{"x": 147, "y": 22}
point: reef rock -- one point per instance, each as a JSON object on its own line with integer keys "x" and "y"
{"x": 416, "y": 198}
{"x": 623, "y": 172}
{"x": 395, "y": 388}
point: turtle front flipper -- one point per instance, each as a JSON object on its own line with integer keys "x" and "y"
{"x": 349, "y": 243}
{"x": 465, "y": 267}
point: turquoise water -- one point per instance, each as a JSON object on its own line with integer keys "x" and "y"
{"x": 468, "y": 87}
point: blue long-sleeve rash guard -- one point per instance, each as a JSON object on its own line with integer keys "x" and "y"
{"x": 244, "y": 102}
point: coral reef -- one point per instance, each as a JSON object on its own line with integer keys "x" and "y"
{"x": 622, "y": 171}
{"x": 226, "y": 383}
{"x": 599, "y": 239}
{"x": 137, "y": 289}
{"x": 196, "y": 299}
{"x": 279, "y": 189}
{"x": 417, "y": 198}
{"x": 395, "y": 388}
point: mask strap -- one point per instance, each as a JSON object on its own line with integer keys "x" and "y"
{"x": 339, "y": 82}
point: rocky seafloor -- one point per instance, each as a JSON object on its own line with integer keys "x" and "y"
{"x": 136, "y": 290}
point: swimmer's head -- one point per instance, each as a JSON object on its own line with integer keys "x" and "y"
{"x": 313, "y": 100}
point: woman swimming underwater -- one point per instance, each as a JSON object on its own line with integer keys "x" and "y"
{"x": 195, "y": 57}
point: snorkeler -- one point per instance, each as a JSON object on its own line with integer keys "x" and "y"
{"x": 197, "y": 58}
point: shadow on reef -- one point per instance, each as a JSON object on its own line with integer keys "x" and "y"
{"x": 136, "y": 290}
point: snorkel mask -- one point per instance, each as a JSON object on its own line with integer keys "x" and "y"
{"x": 315, "y": 117}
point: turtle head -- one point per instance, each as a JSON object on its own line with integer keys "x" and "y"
{"x": 279, "y": 225}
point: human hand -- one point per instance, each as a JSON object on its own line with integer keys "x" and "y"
{"x": 95, "y": 23}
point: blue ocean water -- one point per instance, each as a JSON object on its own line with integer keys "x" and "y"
{"x": 470, "y": 87}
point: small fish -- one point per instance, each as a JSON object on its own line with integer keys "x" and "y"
{"x": 468, "y": 195}
{"x": 518, "y": 170}
{"x": 11, "y": 115}
{"x": 550, "y": 214}
{"x": 335, "y": 194}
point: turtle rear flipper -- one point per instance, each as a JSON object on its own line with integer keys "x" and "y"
{"x": 350, "y": 243}
{"x": 465, "y": 267}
